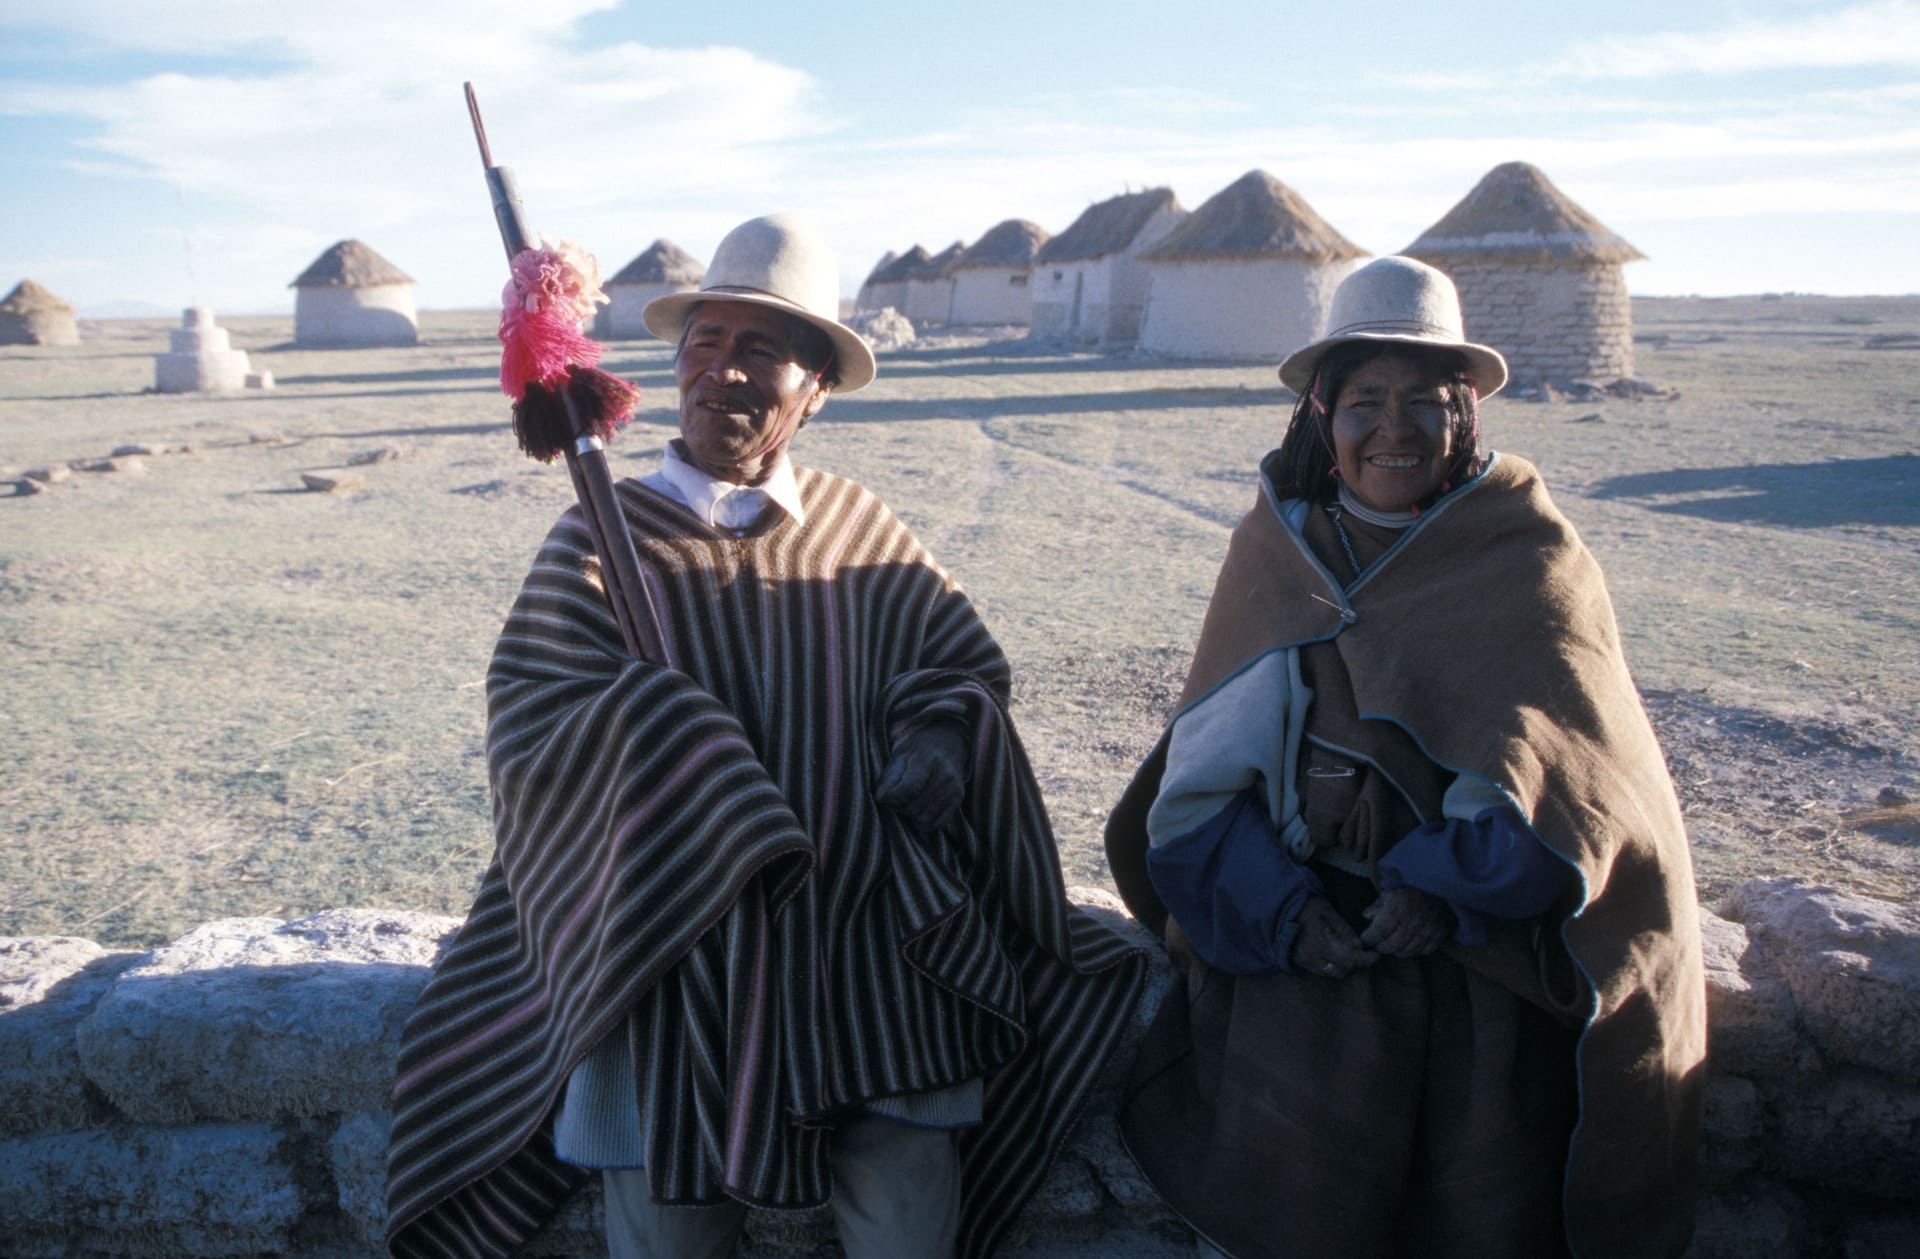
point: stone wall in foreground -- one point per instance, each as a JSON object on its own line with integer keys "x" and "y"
{"x": 225, "y": 1095}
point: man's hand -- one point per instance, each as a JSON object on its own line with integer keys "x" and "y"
{"x": 1407, "y": 922}
{"x": 1325, "y": 945}
{"x": 927, "y": 777}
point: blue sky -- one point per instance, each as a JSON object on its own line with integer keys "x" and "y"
{"x": 177, "y": 151}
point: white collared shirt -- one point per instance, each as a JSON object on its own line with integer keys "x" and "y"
{"x": 727, "y": 504}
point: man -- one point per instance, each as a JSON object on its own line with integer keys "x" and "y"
{"x": 776, "y": 921}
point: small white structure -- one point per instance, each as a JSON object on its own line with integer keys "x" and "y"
{"x": 992, "y": 279}
{"x": 930, "y": 288}
{"x": 1248, "y": 275}
{"x": 662, "y": 268}
{"x": 863, "y": 300}
{"x": 31, "y": 315}
{"x": 353, "y": 296}
{"x": 887, "y": 286}
{"x": 1540, "y": 279}
{"x": 201, "y": 358}
{"x": 1088, "y": 284}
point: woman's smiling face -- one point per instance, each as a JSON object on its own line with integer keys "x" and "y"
{"x": 1393, "y": 430}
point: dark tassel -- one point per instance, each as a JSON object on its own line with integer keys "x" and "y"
{"x": 603, "y": 401}
{"x": 540, "y": 422}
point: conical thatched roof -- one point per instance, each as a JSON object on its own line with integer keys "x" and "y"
{"x": 29, "y": 298}
{"x": 350, "y": 264}
{"x": 1255, "y": 216}
{"x": 1516, "y": 212}
{"x": 1010, "y": 244}
{"x": 936, "y": 266}
{"x": 662, "y": 262}
{"x": 886, "y": 260}
{"x": 1107, "y": 227}
{"x": 904, "y": 267}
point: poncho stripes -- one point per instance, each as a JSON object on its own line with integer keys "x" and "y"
{"x": 695, "y": 848}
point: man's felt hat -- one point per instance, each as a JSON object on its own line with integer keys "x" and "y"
{"x": 775, "y": 261}
{"x": 1398, "y": 301}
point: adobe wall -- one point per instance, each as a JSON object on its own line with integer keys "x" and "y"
{"x": 1556, "y": 324}
{"x": 225, "y": 1095}
{"x": 1257, "y": 310}
{"x": 329, "y": 316}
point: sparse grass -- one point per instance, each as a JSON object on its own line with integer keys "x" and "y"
{"x": 225, "y": 696}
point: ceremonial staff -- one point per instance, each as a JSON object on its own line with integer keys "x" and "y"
{"x": 563, "y": 403}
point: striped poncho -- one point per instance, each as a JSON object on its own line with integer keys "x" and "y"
{"x": 696, "y": 849}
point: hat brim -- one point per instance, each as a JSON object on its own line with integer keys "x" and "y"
{"x": 1486, "y": 369}
{"x": 666, "y": 316}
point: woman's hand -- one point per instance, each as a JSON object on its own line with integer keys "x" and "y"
{"x": 927, "y": 778}
{"x": 1324, "y": 944}
{"x": 1407, "y": 922}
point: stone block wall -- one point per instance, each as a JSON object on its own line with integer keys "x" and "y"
{"x": 1556, "y": 324}
{"x": 225, "y": 1095}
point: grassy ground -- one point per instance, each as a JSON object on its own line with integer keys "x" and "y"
{"x": 225, "y": 695}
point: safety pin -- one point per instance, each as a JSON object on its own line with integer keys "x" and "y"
{"x": 1346, "y": 614}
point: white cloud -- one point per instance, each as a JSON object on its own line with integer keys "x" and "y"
{"x": 1886, "y": 33}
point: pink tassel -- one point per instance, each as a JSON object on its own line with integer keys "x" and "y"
{"x": 553, "y": 289}
{"x": 539, "y": 347}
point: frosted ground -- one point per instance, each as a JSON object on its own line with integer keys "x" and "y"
{"x": 227, "y": 695}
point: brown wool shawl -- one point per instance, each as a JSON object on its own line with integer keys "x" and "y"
{"x": 1488, "y": 636}
{"x": 696, "y": 848}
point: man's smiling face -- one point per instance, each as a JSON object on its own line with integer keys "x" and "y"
{"x": 743, "y": 390}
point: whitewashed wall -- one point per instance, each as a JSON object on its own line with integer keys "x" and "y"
{"x": 928, "y": 300}
{"x": 619, "y": 319}
{"x": 879, "y": 296}
{"x": 992, "y": 295}
{"x": 378, "y": 314}
{"x": 1260, "y": 309}
{"x": 1130, "y": 280}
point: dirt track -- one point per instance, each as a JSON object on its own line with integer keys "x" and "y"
{"x": 226, "y": 695}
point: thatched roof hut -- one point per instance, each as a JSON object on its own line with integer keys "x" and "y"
{"x": 863, "y": 300}
{"x": 991, "y": 279}
{"x": 1539, "y": 277}
{"x": 1248, "y": 275}
{"x": 351, "y": 296}
{"x": 30, "y": 315}
{"x": 659, "y": 269}
{"x": 930, "y": 288}
{"x": 1088, "y": 284}
{"x": 887, "y": 286}
{"x": 1110, "y": 226}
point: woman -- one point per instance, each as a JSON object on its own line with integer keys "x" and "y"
{"x": 1437, "y": 986}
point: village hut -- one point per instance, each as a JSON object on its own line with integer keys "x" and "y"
{"x": 863, "y": 299}
{"x": 1248, "y": 275}
{"x": 662, "y": 268}
{"x": 887, "y": 286}
{"x": 1088, "y": 283}
{"x": 991, "y": 279}
{"x": 353, "y": 296}
{"x": 30, "y": 315}
{"x": 1539, "y": 278}
{"x": 930, "y": 287}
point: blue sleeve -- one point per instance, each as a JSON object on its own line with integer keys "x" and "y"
{"x": 1235, "y": 892}
{"x": 1491, "y": 867}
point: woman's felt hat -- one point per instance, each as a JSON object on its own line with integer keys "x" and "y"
{"x": 775, "y": 261}
{"x": 1398, "y": 301}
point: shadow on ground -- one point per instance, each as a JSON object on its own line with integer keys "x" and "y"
{"x": 1878, "y": 491}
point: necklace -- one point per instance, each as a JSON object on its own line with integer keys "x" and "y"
{"x": 1334, "y": 512}
{"x": 1372, "y": 515}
